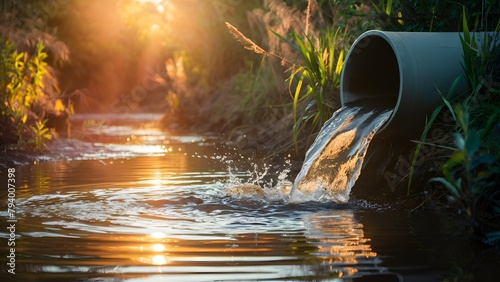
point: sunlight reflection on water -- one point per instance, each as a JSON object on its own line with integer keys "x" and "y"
{"x": 144, "y": 216}
{"x": 175, "y": 222}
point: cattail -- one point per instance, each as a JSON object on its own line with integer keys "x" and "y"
{"x": 247, "y": 43}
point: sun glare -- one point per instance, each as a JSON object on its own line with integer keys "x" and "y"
{"x": 158, "y": 3}
{"x": 150, "y": 1}
{"x": 158, "y": 248}
{"x": 159, "y": 260}
{"x": 158, "y": 235}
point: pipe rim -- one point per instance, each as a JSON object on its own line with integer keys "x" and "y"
{"x": 384, "y": 36}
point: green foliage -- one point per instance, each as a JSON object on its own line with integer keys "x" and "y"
{"x": 471, "y": 172}
{"x": 7, "y": 66}
{"x": 21, "y": 86}
{"x": 197, "y": 29}
{"x": 479, "y": 58}
{"x": 26, "y": 23}
{"x": 249, "y": 98}
{"x": 314, "y": 82}
{"x": 41, "y": 134}
{"x": 428, "y": 125}
{"x": 309, "y": 38}
{"x": 18, "y": 119}
{"x": 471, "y": 175}
{"x": 22, "y": 77}
{"x": 433, "y": 15}
{"x": 13, "y": 103}
{"x": 27, "y": 79}
{"x": 383, "y": 7}
{"x": 255, "y": 89}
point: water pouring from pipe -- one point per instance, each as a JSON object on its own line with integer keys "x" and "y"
{"x": 407, "y": 72}
{"x": 334, "y": 161}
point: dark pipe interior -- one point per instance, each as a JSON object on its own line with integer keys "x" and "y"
{"x": 371, "y": 72}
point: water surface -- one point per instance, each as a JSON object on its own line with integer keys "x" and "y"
{"x": 135, "y": 203}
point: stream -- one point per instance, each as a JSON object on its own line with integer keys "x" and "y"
{"x": 131, "y": 202}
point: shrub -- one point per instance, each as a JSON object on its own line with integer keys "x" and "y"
{"x": 22, "y": 91}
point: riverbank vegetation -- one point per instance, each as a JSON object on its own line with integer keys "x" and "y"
{"x": 263, "y": 74}
{"x": 29, "y": 91}
{"x": 468, "y": 166}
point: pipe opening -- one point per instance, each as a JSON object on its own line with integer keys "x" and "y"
{"x": 371, "y": 71}
{"x": 406, "y": 71}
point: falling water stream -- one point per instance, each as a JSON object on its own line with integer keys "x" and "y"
{"x": 334, "y": 161}
{"x": 132, "y": 202}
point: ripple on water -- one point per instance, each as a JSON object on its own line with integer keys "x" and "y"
{"x": 170, "y": 218}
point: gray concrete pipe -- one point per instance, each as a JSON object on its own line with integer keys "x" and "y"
{"x": 406, "y": 70}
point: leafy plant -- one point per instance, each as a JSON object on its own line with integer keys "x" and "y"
{"x": 433, "y": 15}
{"x": 21, "y": 86}
{"x": 479, "y": 58}
{"x": 478, "y": 67}
{"x": 19, "y": 120}
{"x": 315, "y": 81}
{"x": 471, "y": 173}
{"x": 386, "y": 9}
{"x": 428, "y": 125}
{"x": 383, "y": 7}
{"x": 41, "y": 134}
{"x": 24, "y": 82}
{"x": 13, "y": 110}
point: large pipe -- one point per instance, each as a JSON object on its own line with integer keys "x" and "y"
{"x": 406, "y": 70}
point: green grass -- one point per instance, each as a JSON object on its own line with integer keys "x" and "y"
{"x": 314, "y": 83}
{"x": 470, "y": 172}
